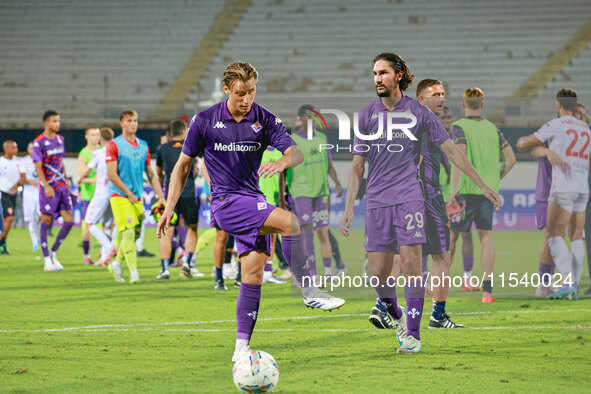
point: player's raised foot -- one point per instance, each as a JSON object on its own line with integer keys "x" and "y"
{"x": 269, "y": 278}
{"x": 115, "y": 269}
{"x": 240, "y": 352}
{"x": 35, "y": 248}
{"x": 487, "y": 297}
{"x": 380, "y": 319}
{"x": 145, "y": 253}
{"x": 219, "y": 285}
{"x": 400, "y": 326}
{"x": 55, "y": 261}
{"x": 543, "y": 291}
{"x": 410, "y": 345}
{"x": 163, "y": 275}
{"x": 565, "y": 292}
{"x": 315, "y": 298}
{"x": 88, "y": 261}
{"x": 444, "y": 322}
{"x": 186, "y": 271}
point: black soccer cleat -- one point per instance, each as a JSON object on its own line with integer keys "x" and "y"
{"x": 444, "y": 322}
{"x": 380, "y": 319}
{"x": 145, "y": 253}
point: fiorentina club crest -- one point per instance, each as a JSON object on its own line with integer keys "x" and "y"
{"x": 261, "y": 205}
{"x": 257, "y": 126}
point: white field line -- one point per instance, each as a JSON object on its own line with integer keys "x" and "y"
{"x": 131, "y": 326}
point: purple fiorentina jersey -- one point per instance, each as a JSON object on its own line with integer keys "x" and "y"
{"x": 233, "y": 151}
{"x": 393, "y": 174}
{"x": 544, "y": 178}
{"x": 50, "y": 152}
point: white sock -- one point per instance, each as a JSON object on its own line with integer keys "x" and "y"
{"x": 33, "y": 232}
{"x": 134, "y": 272}
{"x": 561, "y": 255}
{"x": 467, "y": 274}
{"x": 577, "y": 259}
{"x": 48, "y": 261}
{"x": 100, "y": 236}
{"x": 242, "y": 344}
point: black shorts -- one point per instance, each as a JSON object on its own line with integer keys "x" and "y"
{"x": 437, "y": 226}
{"x": 189, "y": 209}
{"x": 9, "y": 204}
{"x": 479, "y": 210}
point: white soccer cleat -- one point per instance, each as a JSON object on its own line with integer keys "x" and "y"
{"x": 316, "y": 298}
{"x": 400, "y": 326}
{"x": 543, "y": 291}
{"x": 134, "y": 276}
{"x": 106, "y": 257}
{"x": 269, "y": 278}
{"x": 229, "y": 273}
{"x": 196, "y": 273}
{"x": 115, "y": 268}
{"x": 55, "y": 261}
{"x": 50, "y": 267}
{"x": 410, "y": 345}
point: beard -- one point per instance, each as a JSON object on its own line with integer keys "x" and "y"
{"x": 384, "y": 93}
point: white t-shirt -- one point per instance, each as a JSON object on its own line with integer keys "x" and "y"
{"x": 10, "y": 173}
{"x": 569, "y": 138}
{"x": 28, "y": 167}
{"x": 98, "y": 162}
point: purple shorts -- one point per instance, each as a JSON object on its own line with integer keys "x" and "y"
{"x": 437, "y": 226}
{"x": 242, "y": 216}
{"x": 541, "y": 214}
{"x": 61, "y": 201}
{"x": 389, "y": 227}
{"x": 312, "y": 210}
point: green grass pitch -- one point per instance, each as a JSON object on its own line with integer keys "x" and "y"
{"x": 80, "y": 331}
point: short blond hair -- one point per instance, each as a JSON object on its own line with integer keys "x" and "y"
{"x": 107, "y": 133}
{"x": 473, "y": 97}
{"x": 126, "y": 113}
{"x": 238, "y": 71}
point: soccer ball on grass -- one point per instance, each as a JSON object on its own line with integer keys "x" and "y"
{"x": 256, "y": 372}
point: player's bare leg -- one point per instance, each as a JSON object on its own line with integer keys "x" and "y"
{"x": 468, "y": 260}
{"x": 268, "y": 274}
{"x": 487, "y": 261}
{"x": 545, "y": 269}
{"x": 165, "y": 249}
{"x": 558, "y": 220}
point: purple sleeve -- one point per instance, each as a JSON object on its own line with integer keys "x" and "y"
{"x": 37, "y": 154}
{"x": 435, "y": 129}
{"x": 458, "y": 135}
{"x": 195, "y": 141}
{"x": 277, "y": 134}
{"x": 362, "y": 123}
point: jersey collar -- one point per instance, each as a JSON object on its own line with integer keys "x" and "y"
{"x": 226, "y": 115}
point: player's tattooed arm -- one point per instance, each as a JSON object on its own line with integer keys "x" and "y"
{"x": 355, "y": 177}
{"x": 291, "y": 158}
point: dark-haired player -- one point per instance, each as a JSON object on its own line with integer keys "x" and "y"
{"x": 395, "y": 208}
{"x": 54, "y": 191}
{"x": 569, "y": 191}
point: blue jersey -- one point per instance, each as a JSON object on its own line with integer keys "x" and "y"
{"x": 132, "y": 159}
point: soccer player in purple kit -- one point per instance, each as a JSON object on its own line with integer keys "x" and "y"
{"x": 54, "y": 191}
{"x": 232, "y": 135}
{"x": 395, "y": 208}
{"x": 431, "y": 94}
